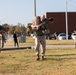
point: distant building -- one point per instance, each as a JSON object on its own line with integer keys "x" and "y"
{"x": 59, "y": 21}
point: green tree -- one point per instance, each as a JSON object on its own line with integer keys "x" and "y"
{"x": 5, "y": 25}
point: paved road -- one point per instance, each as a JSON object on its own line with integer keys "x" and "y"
{"x": 30, "y": 47}
{"x": 60, "y": 46}
{"x": 48, "y": 46}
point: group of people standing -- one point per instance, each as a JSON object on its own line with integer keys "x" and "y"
{"x": 3, "y": 38}
{"x": 40, "y": 28}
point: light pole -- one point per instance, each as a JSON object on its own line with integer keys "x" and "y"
{"x": 66, "y": 20}
{"x": 34, "y": 7}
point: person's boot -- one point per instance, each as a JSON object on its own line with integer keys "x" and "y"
{"x": 38, "y": 57}
{"x": 42, "y": 57}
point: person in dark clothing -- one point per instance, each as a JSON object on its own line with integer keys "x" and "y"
{"x": 15, "y": 39}
{"x": 3, "y": 39}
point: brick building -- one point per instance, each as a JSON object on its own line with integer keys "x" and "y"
{"x": 59, "y": 22}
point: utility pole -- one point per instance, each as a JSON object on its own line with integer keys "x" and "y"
{"x": 34, "y": 7}
{"x": 66, "y": 20}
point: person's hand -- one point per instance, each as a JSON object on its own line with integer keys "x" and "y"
{"x": 35, "y": 27}
{"x": 43, "y": 32}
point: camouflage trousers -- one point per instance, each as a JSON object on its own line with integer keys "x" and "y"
{"x": 40, "y": 45}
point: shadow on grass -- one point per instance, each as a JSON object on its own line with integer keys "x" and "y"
{"x": 60, "y": 57}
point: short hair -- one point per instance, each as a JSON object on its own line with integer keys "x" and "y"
{"x": 42, "y": 17}
{"x": 36, "y": 20}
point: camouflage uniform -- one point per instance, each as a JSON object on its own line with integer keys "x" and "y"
{"x": 40, "y": 40}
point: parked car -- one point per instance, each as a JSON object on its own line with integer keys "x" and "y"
{"x": 69, "y": 36}
{"x": 52, "y": 36}
{"x": 56, "y": 34}
{"x": 47, "y": 36}
{"x": 73, "y": 36}
{"x": 61, "y": 36}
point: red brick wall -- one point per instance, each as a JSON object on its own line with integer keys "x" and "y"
{"x": 59, "y": 23}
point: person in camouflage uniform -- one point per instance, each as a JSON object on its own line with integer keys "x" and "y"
{"x": 40, "y": 40}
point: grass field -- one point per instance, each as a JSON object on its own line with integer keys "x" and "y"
{"x": 58, "y": 61}
{"x": 30, "y": 41}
